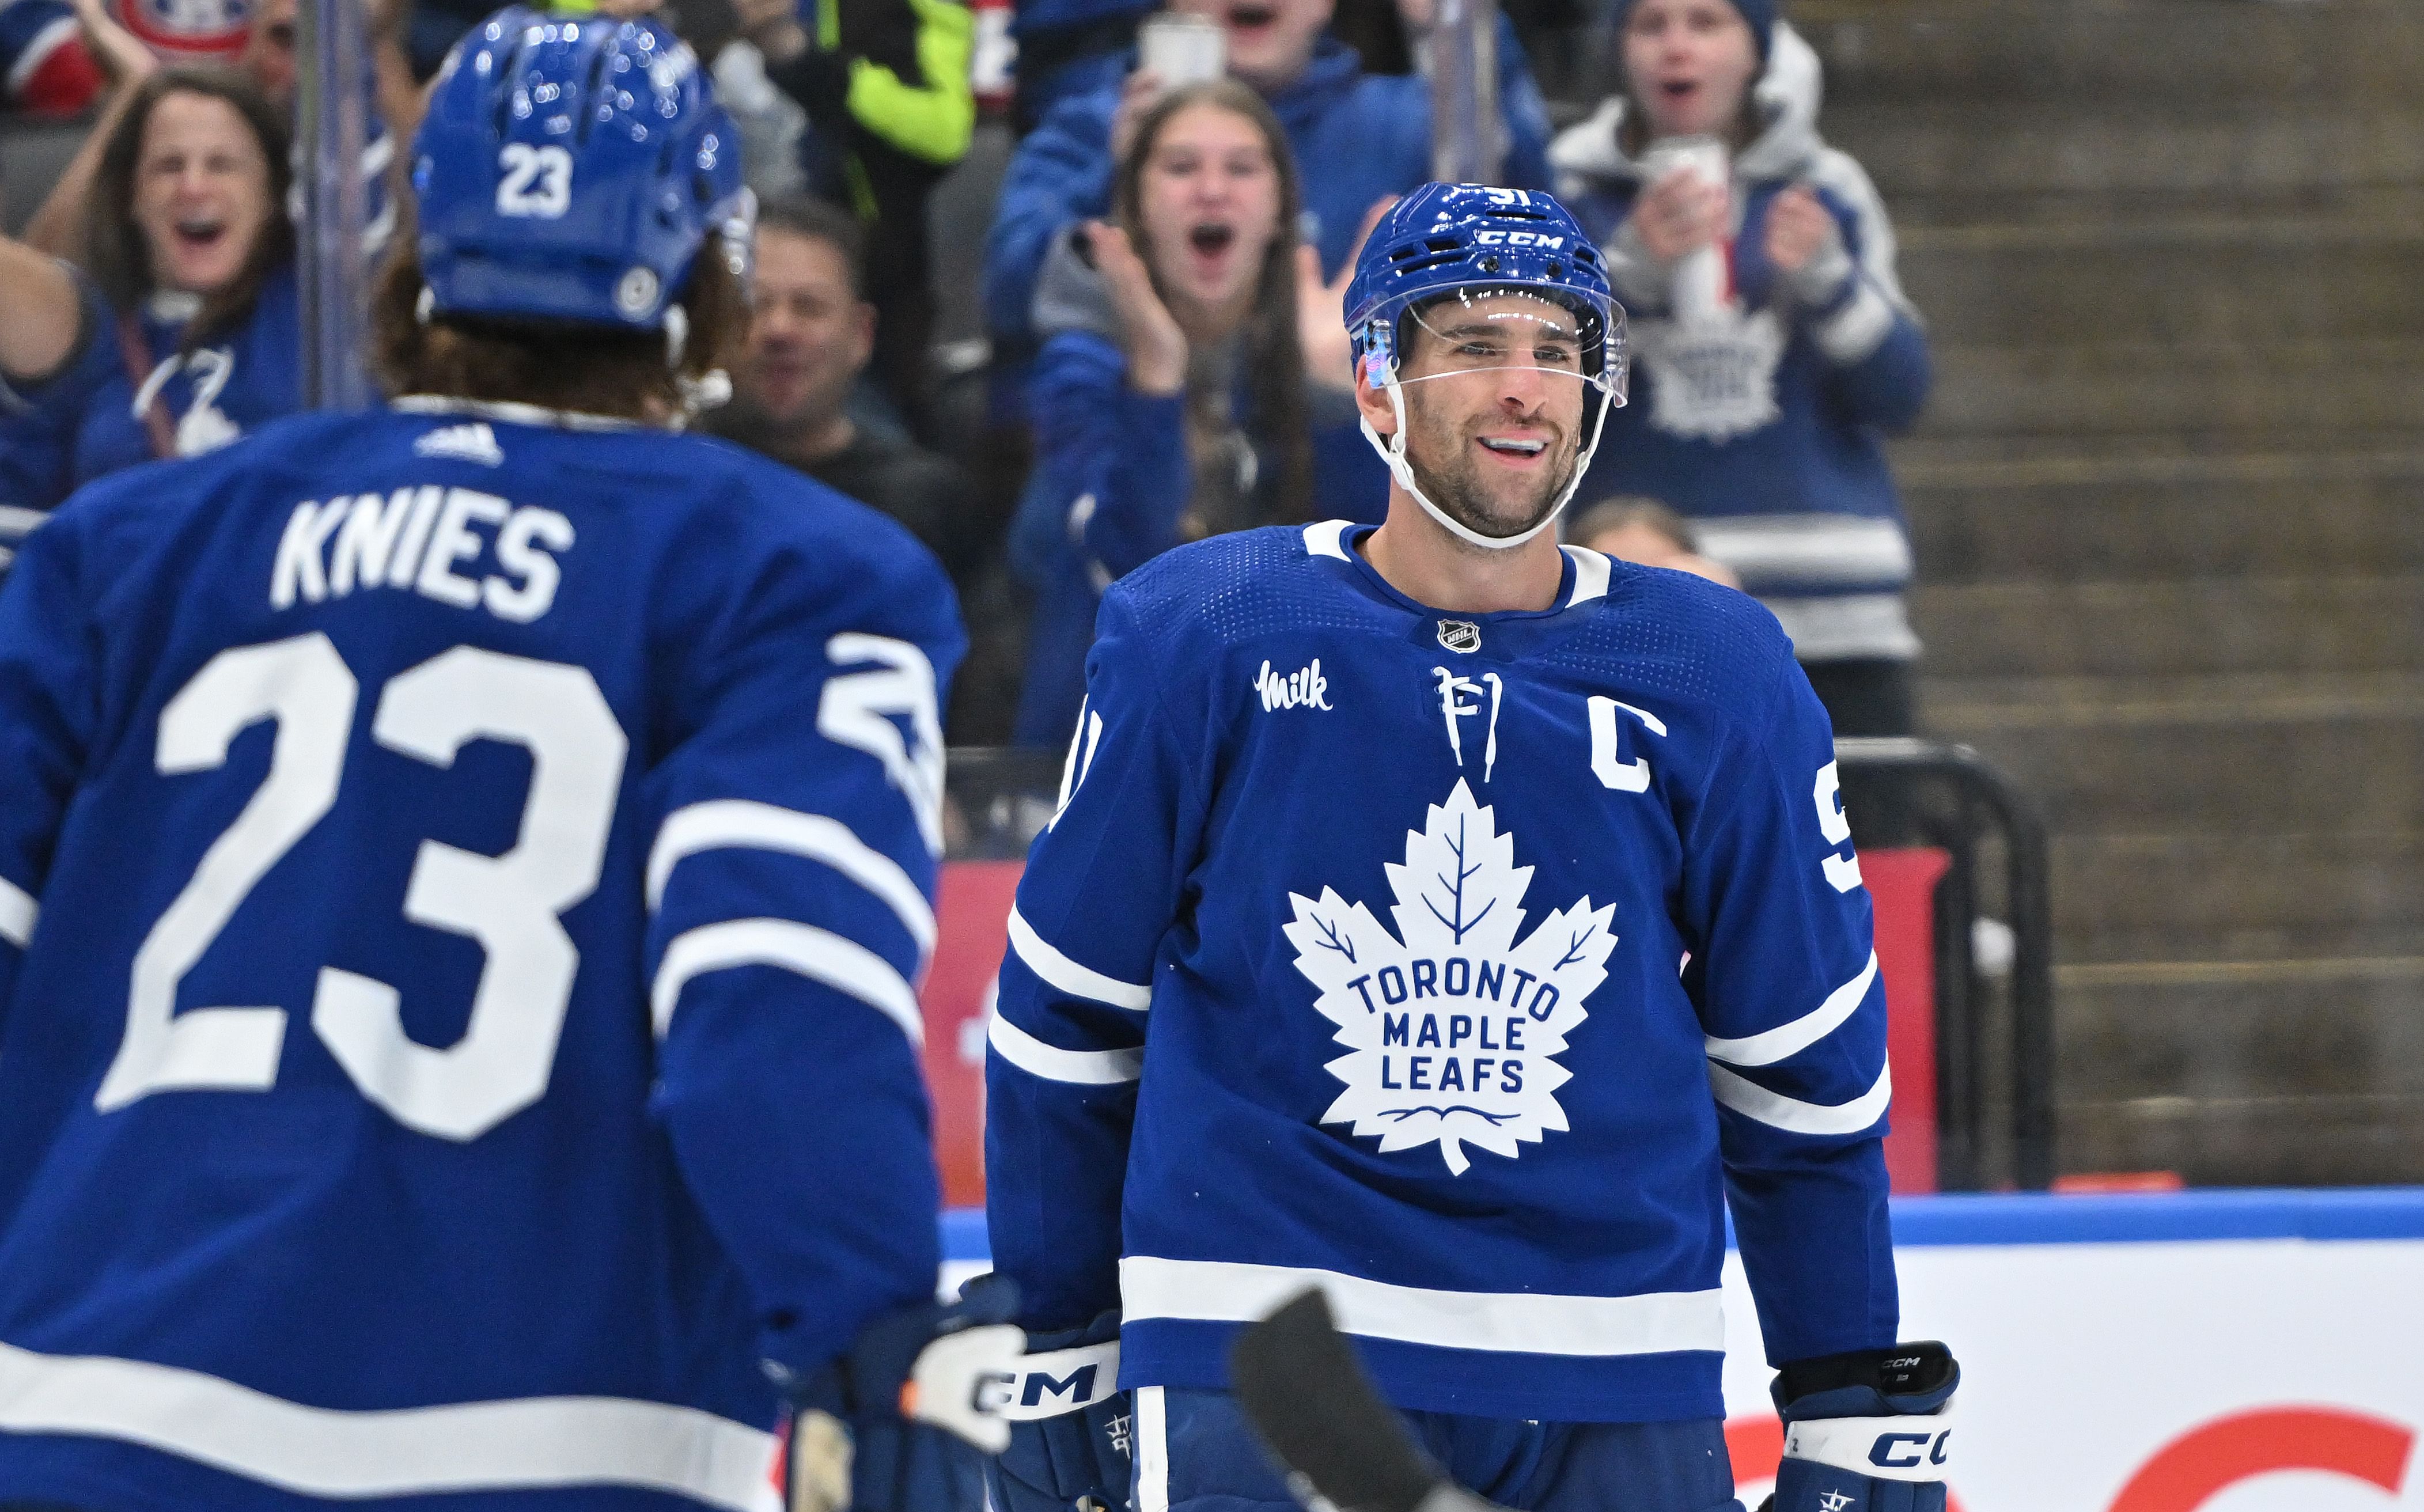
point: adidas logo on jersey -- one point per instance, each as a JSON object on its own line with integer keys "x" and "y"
{"x": 472, "y": 442}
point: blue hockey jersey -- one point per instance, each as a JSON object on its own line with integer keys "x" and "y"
{"x": 1464, "y": 964}
{"x": 80, "y": 424}
{"x": 462, "y": 875}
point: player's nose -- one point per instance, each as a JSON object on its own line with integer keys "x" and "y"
{"x": 1522, "y": 389}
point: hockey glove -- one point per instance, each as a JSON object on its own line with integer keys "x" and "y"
{"x": 1868, "y": 1429}
{"x": 900, "y": 1423}
{"x": 1069, "y": 1426}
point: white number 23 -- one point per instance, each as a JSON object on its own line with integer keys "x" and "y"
{"x": 509, "y": 903}
{"x": 537, "y": 180}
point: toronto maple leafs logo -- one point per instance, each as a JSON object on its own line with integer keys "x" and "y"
{"x": 1713, "y": 379}
{"x": 1451, "y": 1028}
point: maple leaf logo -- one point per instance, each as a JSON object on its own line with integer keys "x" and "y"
{"x": 1451, "y": 1026}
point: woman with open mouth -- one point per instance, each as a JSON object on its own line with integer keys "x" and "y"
{"x": 1775, "y": 348}
{"x": 180, "y": 332}
{"x": 1181, "y": 378}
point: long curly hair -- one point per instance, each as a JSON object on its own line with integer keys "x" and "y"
{"x": 1275, "y": 381}
{"x": 593, "y": 369}
{"x": 119, "y": 255}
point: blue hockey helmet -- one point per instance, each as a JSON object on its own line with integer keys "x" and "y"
{"x": 571, "y": 168}
{"x": 1444, "y": 238}
{"x": 1449, "y": 240}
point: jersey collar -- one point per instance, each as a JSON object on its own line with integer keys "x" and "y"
{"x": 1584, "y": 576}
{"x": 432, "y": 404}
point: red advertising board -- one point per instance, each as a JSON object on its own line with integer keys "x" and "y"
{"x": 973, "y": 911}
{"x": 1902, "y": 885}
{"x": 972, "y": 929}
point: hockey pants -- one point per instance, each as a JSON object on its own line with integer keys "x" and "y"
{"x": 1194, "y": 1453}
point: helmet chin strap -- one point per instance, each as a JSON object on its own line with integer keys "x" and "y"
{"x": 1392, "y": 452}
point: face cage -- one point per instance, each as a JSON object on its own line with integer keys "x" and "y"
{"x": 1606, "y": 352}
{"x": 1605, "y": 364}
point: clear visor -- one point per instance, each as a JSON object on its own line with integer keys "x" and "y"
{"x": 1513, "y": 330}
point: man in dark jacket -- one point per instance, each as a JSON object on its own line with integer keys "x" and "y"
{"x": 812, "y": 333}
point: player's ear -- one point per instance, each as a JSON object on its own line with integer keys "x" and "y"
{"x": 1373, "y": 402}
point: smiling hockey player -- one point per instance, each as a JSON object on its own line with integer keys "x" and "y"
{"x": 1377, "y": 988}
{"x": 462, "y": 871}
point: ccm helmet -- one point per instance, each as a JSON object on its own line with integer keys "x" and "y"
{"x": 1464, "y": 241}
{"x": 569, "y": 168}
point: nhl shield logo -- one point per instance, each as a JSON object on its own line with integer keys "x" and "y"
{"x": 1459, "y": 635}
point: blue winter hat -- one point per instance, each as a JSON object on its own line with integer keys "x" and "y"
{"x": 1760, "y": 15}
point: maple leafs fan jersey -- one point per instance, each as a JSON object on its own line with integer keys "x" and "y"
{"x": 1466, "y": 965}
{"x": 460, "y": 885}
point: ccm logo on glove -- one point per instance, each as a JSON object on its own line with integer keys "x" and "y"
{"x": 1052, "y": 1382}
{"x": 1904, "y": 1451}
{"x": 1898, "y": 1448}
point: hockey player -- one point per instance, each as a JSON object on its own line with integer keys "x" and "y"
{"x": 1458, "y": 923}
{"x": 462, "y": 872}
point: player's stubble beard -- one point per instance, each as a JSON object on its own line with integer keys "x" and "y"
{"x": 1455, "y": 482}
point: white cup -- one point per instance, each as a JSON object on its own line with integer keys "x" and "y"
{"x": 1698, "y": 292}
{"x": 1183, "y": 50}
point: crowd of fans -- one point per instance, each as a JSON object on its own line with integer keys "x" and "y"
{"x": 1162, "y": 287}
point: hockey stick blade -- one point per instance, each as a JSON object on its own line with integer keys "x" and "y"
{"x": 1316, "y": 1411}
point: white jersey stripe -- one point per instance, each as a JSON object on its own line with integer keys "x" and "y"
{"x": 522, "y": 1444}
{"x": 1591, "y": 573}
{"x": 1785, "y": 1039}
{"x": 1533, "y": 1323}
{"x": 1153, "y": 1451}
{"x": 819, "y": 955}
{"x": 1852, "y": 333}
{"x": 736, "y": 822}
{"x": 48, "y": 39}
{"x": 18, "y": 912}
{"x": 1082, "y": 1067}
{"x": 1327, "y": 538}
{"x": 1811, "y": 549}
{"x": 1060, "y": 972}
{"x": 1751, "y": 1100}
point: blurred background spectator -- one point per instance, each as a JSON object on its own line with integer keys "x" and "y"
{"x": 263, "y": 54}
{"x": 811, "y": 331}
{"x": 269, "y": 55}
{"x": 1644, "y": 531}
{"x": 1357, "y": 137}
{"x": 883, "y": 88}
{"x": 1775, "y": 350}
{"x": 1182, "y": 376}
{"x": 182, "y": 334}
